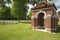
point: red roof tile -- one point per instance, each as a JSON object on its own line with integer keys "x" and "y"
{"x": 43, "y": 4}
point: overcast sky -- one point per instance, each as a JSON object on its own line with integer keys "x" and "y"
{"x": 57, "y": 3}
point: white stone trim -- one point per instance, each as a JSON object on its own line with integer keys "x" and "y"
{"x": 43, "y": 30}
{"x": 36, "y": 16}
{"x": 50, "y": 29}
{"x": 48, "y": 16}
{"x": 32, "y": 17}
{"x": 42, "y": 9}
{"x": 59, "y": 18}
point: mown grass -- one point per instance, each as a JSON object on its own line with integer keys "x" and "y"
{"x": 23, "y": 31}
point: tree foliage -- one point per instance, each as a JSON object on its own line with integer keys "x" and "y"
{"x": 36, "y": 1}
{"x": 30, "y": 14}
{"x": 19, "y": 8}
{"x": 59, "y": 13}
{"x": 5, "y": 13}
{"x": 2, "y": 3}
{"x": 8, "y": 1}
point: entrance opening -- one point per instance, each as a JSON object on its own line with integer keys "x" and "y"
{"x": 41, "y": 20}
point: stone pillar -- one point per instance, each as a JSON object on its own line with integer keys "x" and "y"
{"x": 34, "y": 23}
{"x": 51, "y": 24}
{"x": 54, "y": 24}
{"x": 48, "y": 24}
{"x": 32, "y": 20}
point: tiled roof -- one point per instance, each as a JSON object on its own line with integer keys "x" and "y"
{"x": 43, "y": 5}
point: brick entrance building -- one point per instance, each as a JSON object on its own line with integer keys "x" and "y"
{"x": 44, "y": 16}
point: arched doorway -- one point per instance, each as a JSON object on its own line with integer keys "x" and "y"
{"x": 41, "y": 20}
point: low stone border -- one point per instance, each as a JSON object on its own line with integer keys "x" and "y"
{"x": 9, "y": 21}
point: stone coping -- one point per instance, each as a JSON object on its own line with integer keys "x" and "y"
{"x": 9, "y": 21}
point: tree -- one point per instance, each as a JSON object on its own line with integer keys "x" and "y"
{"x": 59, "y": 13}
{"x": 19, "y": 9}
{"x": 2, "y": 3}
{"x": 5, "y": 13}
{"x": 0, "y": 12}
{"x": 36, "y": 1}
{"x": 30, "y": 14}
{"x": 8, "y": 1}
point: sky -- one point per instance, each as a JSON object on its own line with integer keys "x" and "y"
{"x": 57, "y": 3}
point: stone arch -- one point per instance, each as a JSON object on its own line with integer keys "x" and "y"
{"x": 39, "y": 13}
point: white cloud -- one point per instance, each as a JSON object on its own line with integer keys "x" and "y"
{"x": 57, "y": 3}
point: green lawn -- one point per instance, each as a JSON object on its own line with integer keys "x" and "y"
{"x": 23, "y": 31}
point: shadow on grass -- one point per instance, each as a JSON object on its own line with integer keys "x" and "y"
{"x": 58, "y": 29}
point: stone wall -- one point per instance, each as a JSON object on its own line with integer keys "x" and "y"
{"x": 9, "y": 21}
